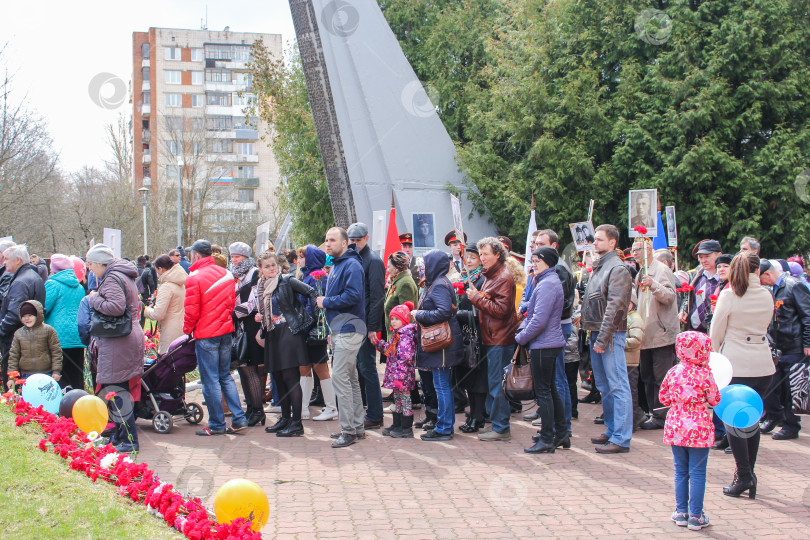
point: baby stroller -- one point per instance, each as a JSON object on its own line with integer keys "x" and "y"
{"x": 164, "y": 387}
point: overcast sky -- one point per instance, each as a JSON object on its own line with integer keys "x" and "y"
{"x": 55, "y": 49}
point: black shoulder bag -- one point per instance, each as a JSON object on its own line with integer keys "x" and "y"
{"x": 108, "y": 326}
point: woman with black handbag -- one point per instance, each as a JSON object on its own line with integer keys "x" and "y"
{"x": 117, "y": 343}
{"x": 472, "y": 371}
{"x": 247, "y": 353}
{"x": 542, "y": 335}
{"x": 436, "y": 316}
{"x": 286, "y": 325}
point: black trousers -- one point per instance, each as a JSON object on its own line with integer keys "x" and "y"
{"x": 289, "y": 390}
{"x": 779, "y": 400}
{"x": 72, "y": 368}
{"x": 431, "y": 399}
{"x": 745, "y": 442}
{"x": 652, "y": 369}
{"x": 571, "y": 372}
{"x": 549, "y": 404}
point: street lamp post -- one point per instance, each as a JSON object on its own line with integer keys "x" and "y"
{"x": 144, "y": 191}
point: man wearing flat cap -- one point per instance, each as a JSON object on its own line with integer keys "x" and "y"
{"x": 374, "y": 273}
{"x": 455, "y": 246}
{"x": 705, "y": 283}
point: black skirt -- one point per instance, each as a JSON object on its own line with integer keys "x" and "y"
{"x": 317, "y": 353}
{"x": 284, "y": 350}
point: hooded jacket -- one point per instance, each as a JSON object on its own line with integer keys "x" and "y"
{"x": 402, "y": 289}
{"x": 35, "y": 349}
{"x": 63, "y": 294}
{"x": 542, "y": 328}
{"x": 210, "y": 299}
{"x": 121, "y": 358}
{"x": 314, "y": 259}
{"x": 345, "y": 296}
{"x": 688, "y": 390}
{"x": 374, "y": 272}
{"x": 169, "y": 310}
{"x": 438, "y": 304}
{"x": 25, "y": 284}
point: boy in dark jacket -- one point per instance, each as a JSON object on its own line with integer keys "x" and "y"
{"x": 35, "y": 347}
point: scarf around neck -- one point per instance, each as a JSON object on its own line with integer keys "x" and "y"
{"x": 266, "y": 287}
{"x": 240, "y": 270}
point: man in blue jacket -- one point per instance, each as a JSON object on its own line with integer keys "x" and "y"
{"x": 345, "y": 305}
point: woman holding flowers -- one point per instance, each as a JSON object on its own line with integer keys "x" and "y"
{"x": 314, "y": 275}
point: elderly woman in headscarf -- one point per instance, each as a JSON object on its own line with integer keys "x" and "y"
{"x": 63, "y": 294}
{"x": 120, "y": 359}
{"x": 243, "y": 268}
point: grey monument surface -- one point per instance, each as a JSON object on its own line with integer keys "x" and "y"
{"x": 391, "y": 136}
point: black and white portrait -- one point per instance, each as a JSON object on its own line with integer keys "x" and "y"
{"x": 642, "y": 211}
{"x": 583, "y": 235}
{"x": 423, "y": 231}
{"x": 672, "y": 227}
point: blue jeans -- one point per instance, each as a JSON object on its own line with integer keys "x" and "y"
{"x": 561, "y": 380}
{"x": 690, "y": 478}
{"x": 214, "y": 363}
{"x": 444, "y": 394}
{"x": 274, "y": 389}
{"x": 610, "y": 373}
{"x": 367, "y": 366}
{"x": 498, "y": 357}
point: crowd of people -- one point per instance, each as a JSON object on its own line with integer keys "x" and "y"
{"x": 446, "y": 325}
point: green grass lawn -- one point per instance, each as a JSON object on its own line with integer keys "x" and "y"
{"x": 40, "y": 497}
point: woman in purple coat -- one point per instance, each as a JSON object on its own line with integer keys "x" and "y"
{"x": 542, "y": 334}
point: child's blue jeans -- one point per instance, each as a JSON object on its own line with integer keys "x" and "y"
{"x": 690, "y": 478}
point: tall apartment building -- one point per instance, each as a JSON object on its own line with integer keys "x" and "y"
{"x": 189, "y": 92}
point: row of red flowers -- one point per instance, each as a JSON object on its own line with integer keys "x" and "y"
{"x": 135, "y": 481}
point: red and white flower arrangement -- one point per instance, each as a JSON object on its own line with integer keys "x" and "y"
{"x": 135, "y": 481}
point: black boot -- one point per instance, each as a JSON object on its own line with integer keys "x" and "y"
{"x": 428, "y": 422}
{"x": 740, "y": 485}
{"x": 593, "y": 397}
{"x": 256, "y": 416}
{"x": 278, "y": 426}
{"x": 405, "y": 430}
{"x": 472, "y": 426}
{"x": 293, "y": 429}
{"x": 395, "y": 425}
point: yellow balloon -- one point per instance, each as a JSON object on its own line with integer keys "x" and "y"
{"x": 240, "y": 498}
{"x": 90, "y": 414}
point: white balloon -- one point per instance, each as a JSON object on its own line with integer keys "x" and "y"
{"x": 721, "y": 369}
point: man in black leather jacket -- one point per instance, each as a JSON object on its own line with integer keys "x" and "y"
{"x": 604, "y": 313}
{"x": 374, "y": 271}
{"x": 790, "y": 333}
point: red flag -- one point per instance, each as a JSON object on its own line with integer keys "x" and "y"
{"x": 392, "y": 243}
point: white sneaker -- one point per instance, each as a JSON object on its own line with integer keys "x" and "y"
{"x": 273, "y": 409}
{"x": 327, "y": 413}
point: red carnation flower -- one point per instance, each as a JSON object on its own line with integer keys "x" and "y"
{"x": 713, "y": 297}
{"x": 641, "y": 229}
{"x": 581, "y": 264}
{"x": 589, "y": 269}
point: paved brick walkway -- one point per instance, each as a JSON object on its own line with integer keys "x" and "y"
{"x": 464, "y": 488}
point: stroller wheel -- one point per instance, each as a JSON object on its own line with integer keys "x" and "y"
{"x": 162, "y": 422}
{"x": 194, "y": 413}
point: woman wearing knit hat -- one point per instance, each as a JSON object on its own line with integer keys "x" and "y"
{"x": 400, "y": 363}
{"x": 63, "y": 294}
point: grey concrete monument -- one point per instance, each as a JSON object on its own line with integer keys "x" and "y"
{"x": 377, "y": 128}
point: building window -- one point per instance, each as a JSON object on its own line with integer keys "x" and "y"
{"x": 221, "y": 172}
{"x": 197, "y": 100}
{"x": 145, "y": 73}
{"x": 197, "y": 123}
{"x": 146, "y": 97}
{"x": 145, "y": 124}
{"x": 145, "y": 50}
{"x": 172, "y": 53}
{"x": 244, "y": 149}
{"x": 146, "y": 172}
{"x": 243, "y": 99}
{"x": 172, "y": 148}
{"x": 242, "y": 77}
{"x": 217, "y": 75}
{"x": 245, "y": 171}
{"x": 197, "y": 54}
{"x": 174, "y": 100}
{"x": 197, "y": 148}
{"x": 220, "y": 146}
{"x": 196, "y": 77}
{"x": 218, "y": 52}
{"x": 219, "y": 123}
{"x": 218, "y": 98}
{"x": 173, "y": 123}
{"x": 245, "y": 195}
{"x": 173, "y": 77}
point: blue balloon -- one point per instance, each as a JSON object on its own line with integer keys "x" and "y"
{"x": 41, "y": 389}
{"x": 740, "y": 406}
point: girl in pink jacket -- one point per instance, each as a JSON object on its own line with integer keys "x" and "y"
{"x": 689, "y": 390}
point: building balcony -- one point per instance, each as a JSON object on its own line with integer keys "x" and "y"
{"x": 146, "y": 110}
{"x": 245, "y": 183}
{"x": 146, "y": 136}
{"x": 147, "y": 159}
{"x": 223, "y": 134}
{"x": 145, "y": 62}
{"x": 223, "y": 110}
{"x": 220, "y": 206}
{"x": 247, "y": 134}
{"x": 146, "y": 85}
{"x": 220, "y": 86}
{"x": 232, "y": 158}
